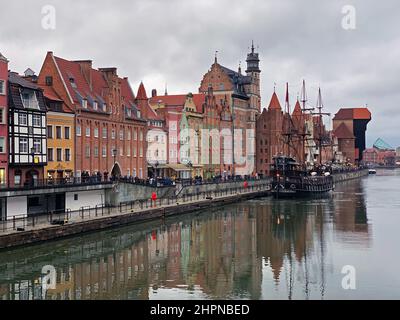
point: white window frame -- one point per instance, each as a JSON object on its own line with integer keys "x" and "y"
{"x": 3, "y": 87}
{"x": 87, "y": 131}
{"x": 3, "y": 145}
{"x": 78, "y": 130}
{"x": 22, "y": 116}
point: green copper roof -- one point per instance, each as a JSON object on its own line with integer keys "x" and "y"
{"x": 382, "y": 145}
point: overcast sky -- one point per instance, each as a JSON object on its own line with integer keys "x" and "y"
{"x": 173, "y": 41}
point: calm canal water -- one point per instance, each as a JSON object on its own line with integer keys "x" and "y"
{"x": 259, "y": 249}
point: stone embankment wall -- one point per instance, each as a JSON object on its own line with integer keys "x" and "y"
{"x": 216, "y": 187}
{"x": 345, "y": 176}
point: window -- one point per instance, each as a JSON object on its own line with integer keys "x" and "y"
{"x": 2, "y": 115}
{"x": 128, "y": 151}
{"x": 141, "y": 135}
{"x": 36, "y": 120}
{"x": 22, "y": 119}
{"x": 129, "y": 134}
{"x": 96, "y": 132}
{"x": 2, "y": 87}
{"x": 78, "y": 130}
{"x": 17, "y": 179}
{"x": 104, "y": 133}
{"x": 2, "y": 145}
{"x": 121, "y": 151}
{"x": 141, "y": 152}
{"x": 50, "y": 132}
{"x": 66, "y": 133}
{"x": 104, "y": 107}
{"x": 134, "y": 134}
{"x": 37, "y": 145}
{"x": 50, "y": 154}
{"x": 140, "y": 173}
{"x": 96, "y": 152}
{"x": 87, "y": 131}
{"x": 59, "y": 154}
{"x": 104, "y": 152}
{"x": 49, "y": 81}
{"x": 94, "y": 105}
{"x": 76, "y": 197}
{"x": 67, "y": 155}
{"x": 87, "y": 151}
{"x": 112, "y": 134}
{"x": 121, "y": 134}
{"x": 58, "y": 132}
{"x": 23, "y": 145}
{"x": 134, "y": 151}
{"x": 84, "y": 103}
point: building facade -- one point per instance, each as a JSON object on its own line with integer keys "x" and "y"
{"x": 109, "y": 128}
{"x": 242, "y": 93}
{"x": 349, "y": 126}
{"x": 60, "y": 137}
{"x": 27, "y": 132}
{"x": 3, "y": 121}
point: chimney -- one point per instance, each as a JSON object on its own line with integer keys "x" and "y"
{"x": 153, "y": 93}
{"x": 109, "y": 73}
{"x": 86, "y": 70}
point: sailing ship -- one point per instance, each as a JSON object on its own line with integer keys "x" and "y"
{"x": 290, "y": 177}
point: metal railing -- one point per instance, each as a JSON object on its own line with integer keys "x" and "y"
{"x": 20, "y": 223}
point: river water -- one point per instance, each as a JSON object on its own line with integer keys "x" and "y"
{"x": 258, "y": 249}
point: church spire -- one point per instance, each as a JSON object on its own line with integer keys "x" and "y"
{"x": 253, "y": 61}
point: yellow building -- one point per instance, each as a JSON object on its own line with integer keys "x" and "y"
{"x": 60, "y": 138}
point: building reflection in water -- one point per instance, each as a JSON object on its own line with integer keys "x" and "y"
{"x": 227, "y": 253}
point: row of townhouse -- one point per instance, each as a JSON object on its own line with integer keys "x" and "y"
{"x": 69, "y": 121}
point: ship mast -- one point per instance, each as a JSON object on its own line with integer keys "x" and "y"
{"x": 304, "y": 134}
{"x": 320, "y": 106}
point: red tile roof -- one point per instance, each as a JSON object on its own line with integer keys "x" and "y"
{"x": 342, "y": 132}
{"x": 141, "y": 95}
{"x": 50, "y": 94}
{"x": 274, "y": 103}
{"x": 297, "y": 109}
{"x": 179, "y": 100}
{"x": 352, "y": 114}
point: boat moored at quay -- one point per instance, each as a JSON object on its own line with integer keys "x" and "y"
{"x": 290, "y": 180}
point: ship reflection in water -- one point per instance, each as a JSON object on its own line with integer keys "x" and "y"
{"x": 260, "y": 249}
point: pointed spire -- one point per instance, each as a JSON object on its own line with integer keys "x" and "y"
{"x": 141, "y": 95}
{"x": 304, "y": 94}
{"x": 216, "y": 58}
{"x": 252, "y": 46}
{"x": 274, "y": 103}
{"x": 240, "y": 67}
{"x": 166, "y": 89}
{"x": 297, "y": 109}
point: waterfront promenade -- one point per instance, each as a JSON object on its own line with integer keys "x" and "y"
{"x": 29, "y": 230}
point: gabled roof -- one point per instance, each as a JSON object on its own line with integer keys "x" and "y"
{"x": 179, "y": 100}
{"x": 353, "y": 114}
{"x": 17, "y": 83}
{"x": 342, "y": 132}
{"x": 238, "y": 80}
{"x": 382, "y": 145}
{"x": 274, "y": 103}
{"x": 3, "y": 58}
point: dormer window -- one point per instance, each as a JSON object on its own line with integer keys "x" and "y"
{"x": 129, "y": 112}
{"x": 29, "y": 99}
{"x": 84, "y": 103}
{"x": 104, "y": 107}
{"x": 94, "y": 105}
{"x": 138, "y": 114}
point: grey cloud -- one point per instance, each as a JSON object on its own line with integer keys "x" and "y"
{"x": 160, "y": 41}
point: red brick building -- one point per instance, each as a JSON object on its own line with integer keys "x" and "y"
{"x": 110, "y": 129}
{"x": 269, "y": 140}
{"x": 349, "y": 126}
{"x": 242, "y": 95}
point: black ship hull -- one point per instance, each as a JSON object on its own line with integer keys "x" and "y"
{"x": 286, "y": 187}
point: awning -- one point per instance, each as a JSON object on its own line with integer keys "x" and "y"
{"x": 178, "y": 167}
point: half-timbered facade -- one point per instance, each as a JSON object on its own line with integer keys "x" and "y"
{"x": 27, "y": 131}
